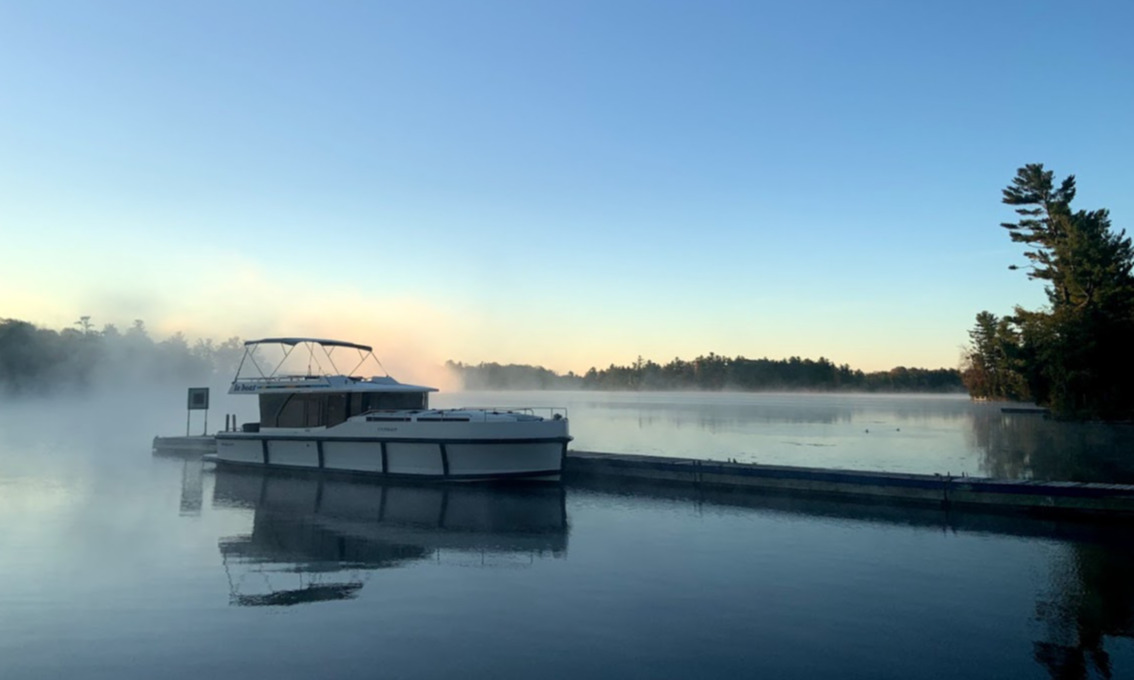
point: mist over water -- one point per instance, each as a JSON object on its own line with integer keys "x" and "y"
{"x": 901, "y": 433}
{"x": 85, "y": 363}
{"x": 121, "y": 564}
{"x": 138, "y": 565}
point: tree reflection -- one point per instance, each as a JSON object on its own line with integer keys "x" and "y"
{"x": 1032, "y": 447}
{"x": 1091, "y": 598}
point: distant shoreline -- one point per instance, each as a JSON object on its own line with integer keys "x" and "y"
{"x": 728, "y": 390}
{"x": 714, "y": 373}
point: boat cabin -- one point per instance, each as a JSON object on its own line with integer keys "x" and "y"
{"x": 327, "y": 408}
{"x": 317, "y": 394}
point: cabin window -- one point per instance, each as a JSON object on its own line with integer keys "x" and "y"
{"x": 302, "y": 410}
{"x": 337, "y": 405}
{"x": 270, "y": 407}
{"x": 293, "y": 410}
{"x": 357, "y": 404}
{"x": 317, "y": 410}
{"x": 391, "y": 401}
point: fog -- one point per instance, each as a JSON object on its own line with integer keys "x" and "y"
{"x": 103, "y": 383}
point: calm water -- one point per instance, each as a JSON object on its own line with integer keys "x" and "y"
{"x": 904, "y": 433}
{"x": 120, "y": 564}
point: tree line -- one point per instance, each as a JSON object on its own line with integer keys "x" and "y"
{"x": 36, "y": 360}
{"x": 713, "y": 372}
{"x": 1073, "y": 355}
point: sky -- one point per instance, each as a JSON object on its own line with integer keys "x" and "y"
{"x": 569, "y": 184}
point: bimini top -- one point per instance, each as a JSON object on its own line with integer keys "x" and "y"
{"x": 313, "y": 370}
{"x": 318, "y": 341}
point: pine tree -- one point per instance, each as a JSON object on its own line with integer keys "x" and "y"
{"x": 1075, "y": 355}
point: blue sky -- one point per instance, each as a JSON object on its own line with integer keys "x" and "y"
{"x": 563, "y": 183}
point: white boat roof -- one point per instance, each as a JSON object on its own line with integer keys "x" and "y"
{"x": 318, "y": 341}
{"x": 323, "y": 383}
{"x": 274, "y": 380}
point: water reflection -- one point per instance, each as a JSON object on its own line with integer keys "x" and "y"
{"x": 1085, "y": 608}
{"x": 909, "y": 433}
{"x": 1032, "y": 447}
{"x": 716, "y": 411}
{"x": 1091, "y": 598}
{"x": 192, "y": 477}
{"x": 317, "y": 538}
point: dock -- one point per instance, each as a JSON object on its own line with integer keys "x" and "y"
{"x": 1112, "y": 500}
{"x": 1018, "y": 410}
{"x": 977, "y": 493}
{"x": 185, "y": 445}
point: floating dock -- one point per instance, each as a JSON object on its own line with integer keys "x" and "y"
{"x": 1026, "y": 411}
{"x": 942, "y": 490}
{"x": 1049, "y": 497}
{"x": 185, "y": 445}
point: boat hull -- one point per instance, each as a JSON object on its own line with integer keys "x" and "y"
{"x": 476, "y": 459}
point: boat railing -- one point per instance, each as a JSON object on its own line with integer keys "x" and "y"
{"x": 465, "y": 414}
{"x": 546, "y": 412}
{"x": 275, "y": 379}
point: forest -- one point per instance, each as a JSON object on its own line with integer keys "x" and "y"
{"x": 714, "y": 372}
{"x": 41, "y": 361}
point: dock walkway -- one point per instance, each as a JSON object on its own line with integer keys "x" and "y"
{"x": 945, "y": 490}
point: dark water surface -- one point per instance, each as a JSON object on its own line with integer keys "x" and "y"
{"x": 119, "y": 564}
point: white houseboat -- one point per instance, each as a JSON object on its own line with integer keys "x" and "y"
{"x": 319, "y": 418}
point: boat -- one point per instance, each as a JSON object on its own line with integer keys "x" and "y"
{"x": 312, "y": 416}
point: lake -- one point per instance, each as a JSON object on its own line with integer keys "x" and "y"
{"x": 121, "y": 564}
{"x": 896, "y": 433}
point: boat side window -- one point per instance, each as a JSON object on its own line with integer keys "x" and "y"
{"x": 270, "y": 407}
{"x": 293, "y": 413}
{"x": 314, "y": 410}
{"x": 293, "y": 410}
{"x": 357, "y": 404}
{"x": 337, "y": 405}
{"x": 395, "y": 401}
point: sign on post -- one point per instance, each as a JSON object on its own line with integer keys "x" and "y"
{"x": 198, "y": 401}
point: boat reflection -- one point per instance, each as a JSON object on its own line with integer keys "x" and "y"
{"x": 316, "y": 539}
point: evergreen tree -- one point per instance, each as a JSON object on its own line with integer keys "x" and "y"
{"x": 1074, "y": 355}
{"x": 1085, "y": 262}
{"x": 992, "y": 364}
